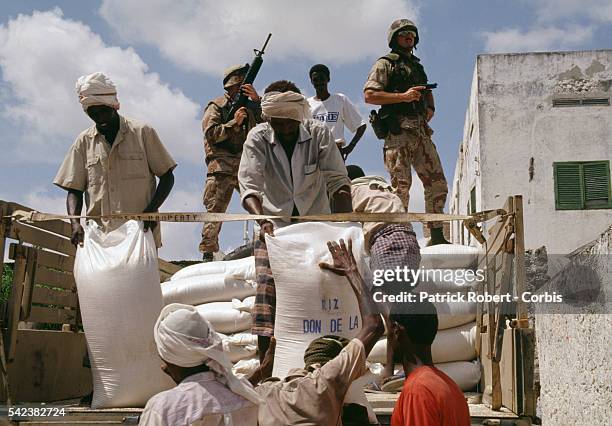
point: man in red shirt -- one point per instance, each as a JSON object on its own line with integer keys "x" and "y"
{"x": 429, "y": 397}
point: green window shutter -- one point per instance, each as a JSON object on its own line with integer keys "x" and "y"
{"x": 473, "y": 201}
{"x": 568, "y": 186}
{"x": 596, "y": 184}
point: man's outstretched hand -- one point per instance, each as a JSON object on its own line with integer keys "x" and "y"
{"x": 268, "y": 362}
{"x": 343, "y": 260}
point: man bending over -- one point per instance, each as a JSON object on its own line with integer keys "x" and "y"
{"x": 314, "y": 395}
{"x": 207, "y": 392}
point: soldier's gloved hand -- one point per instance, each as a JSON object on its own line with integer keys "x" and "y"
{"x": 250, "y": 91}
{"x": 240, "y": 115}
{"x": 78, "y": 234}
{"x": 413, "y": 94}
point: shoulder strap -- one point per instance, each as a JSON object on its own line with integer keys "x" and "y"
{"x": 391, "y": 57}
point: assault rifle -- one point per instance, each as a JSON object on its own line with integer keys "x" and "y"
{"x": 241, "y": 99}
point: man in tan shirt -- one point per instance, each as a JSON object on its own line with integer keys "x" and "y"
{"x": 113, "y": 163}
{"x": 314, "y": 395}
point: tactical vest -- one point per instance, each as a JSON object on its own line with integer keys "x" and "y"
{"x": 223, "y": 104}
{"x": 228, "y": 147}
{"x": 405, "y": 73}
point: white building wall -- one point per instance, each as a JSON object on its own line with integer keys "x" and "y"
{"x": 517, "y": 122}
{"x": 467, "y": 170}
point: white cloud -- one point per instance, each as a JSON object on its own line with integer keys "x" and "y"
{"x": 180, "y": 240}
{"x": 554, "y": 10}
{"x": 559, "y": 24}
{"x": 41, "y": 57}
{"x": 539, "y": 39}
{"x": 204, "y": 35}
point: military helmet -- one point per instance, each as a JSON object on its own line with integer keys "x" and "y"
{"x": 233, "y": 75}
{"x": 402, "y": 24}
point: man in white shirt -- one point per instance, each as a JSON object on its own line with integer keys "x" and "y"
{"x": 289, "y": 167}
{"x": 335, "y": 110}
{"x": 208, "y": 393}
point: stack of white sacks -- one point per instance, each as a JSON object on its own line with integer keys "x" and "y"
{"x": 224, "y": 292}
{"x": 454, "y": 348}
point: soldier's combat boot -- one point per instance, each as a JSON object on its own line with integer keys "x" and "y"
{"x": 437, "y": 237}
{"x": 207, "y": 256}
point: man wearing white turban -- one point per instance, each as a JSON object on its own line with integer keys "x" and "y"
{"x": 114, "y": 163}
{"x": 290, "y": 166}
{"x": 208, "y": 393}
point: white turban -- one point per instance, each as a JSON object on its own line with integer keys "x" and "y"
{"x": 186, "y": 339}
{"x": 96, "y": 89}
{"x": 285, "y": 105}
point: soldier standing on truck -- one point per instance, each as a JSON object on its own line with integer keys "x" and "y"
{"x": 223, "y": 140}
{"x": 397, "y": 83}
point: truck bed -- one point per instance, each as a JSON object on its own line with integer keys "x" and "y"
{"x": 382, "y": 403}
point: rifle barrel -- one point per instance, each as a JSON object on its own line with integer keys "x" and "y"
{"x": 266, "y": 43}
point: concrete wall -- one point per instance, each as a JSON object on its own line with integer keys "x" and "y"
{"x": 516, "y": 121}
{"x": 575, "y": 355}
{"x": 467, "y": 170}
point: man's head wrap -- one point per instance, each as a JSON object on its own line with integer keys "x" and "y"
{"x": 285, "y": 105}
{"x": 324, "y": 349}
{"x": 184, "y": 338}
{"x": 234, "y": 75}
{"x": 96, "y": 89}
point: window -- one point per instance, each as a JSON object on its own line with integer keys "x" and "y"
{"x": 575, "y": 102}
{"x": 473, "y": 200}
{"x": 582, "y": 185}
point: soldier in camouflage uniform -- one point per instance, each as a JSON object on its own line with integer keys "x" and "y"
{"x": 396, "y": 82}
{"x": 223, "y": 139}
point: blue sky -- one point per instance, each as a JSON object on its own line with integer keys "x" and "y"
{"x": 167, "y": 57}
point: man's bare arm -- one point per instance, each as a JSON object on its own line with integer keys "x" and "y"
{"x": 74, "y": 205}
{"x": 380, "y": 97}
{"x": 252, "y": 204}
{"x": 264, "y": 371}
{"x": 166, "y": 182}
{"x": 345, "y": 151}
{"x": 341, "y": 201}
{"x": 345, "y": 264}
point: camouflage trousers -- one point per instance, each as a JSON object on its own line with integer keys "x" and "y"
{"x": 217, "y": 196}
{"x": 413, "y": 148}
